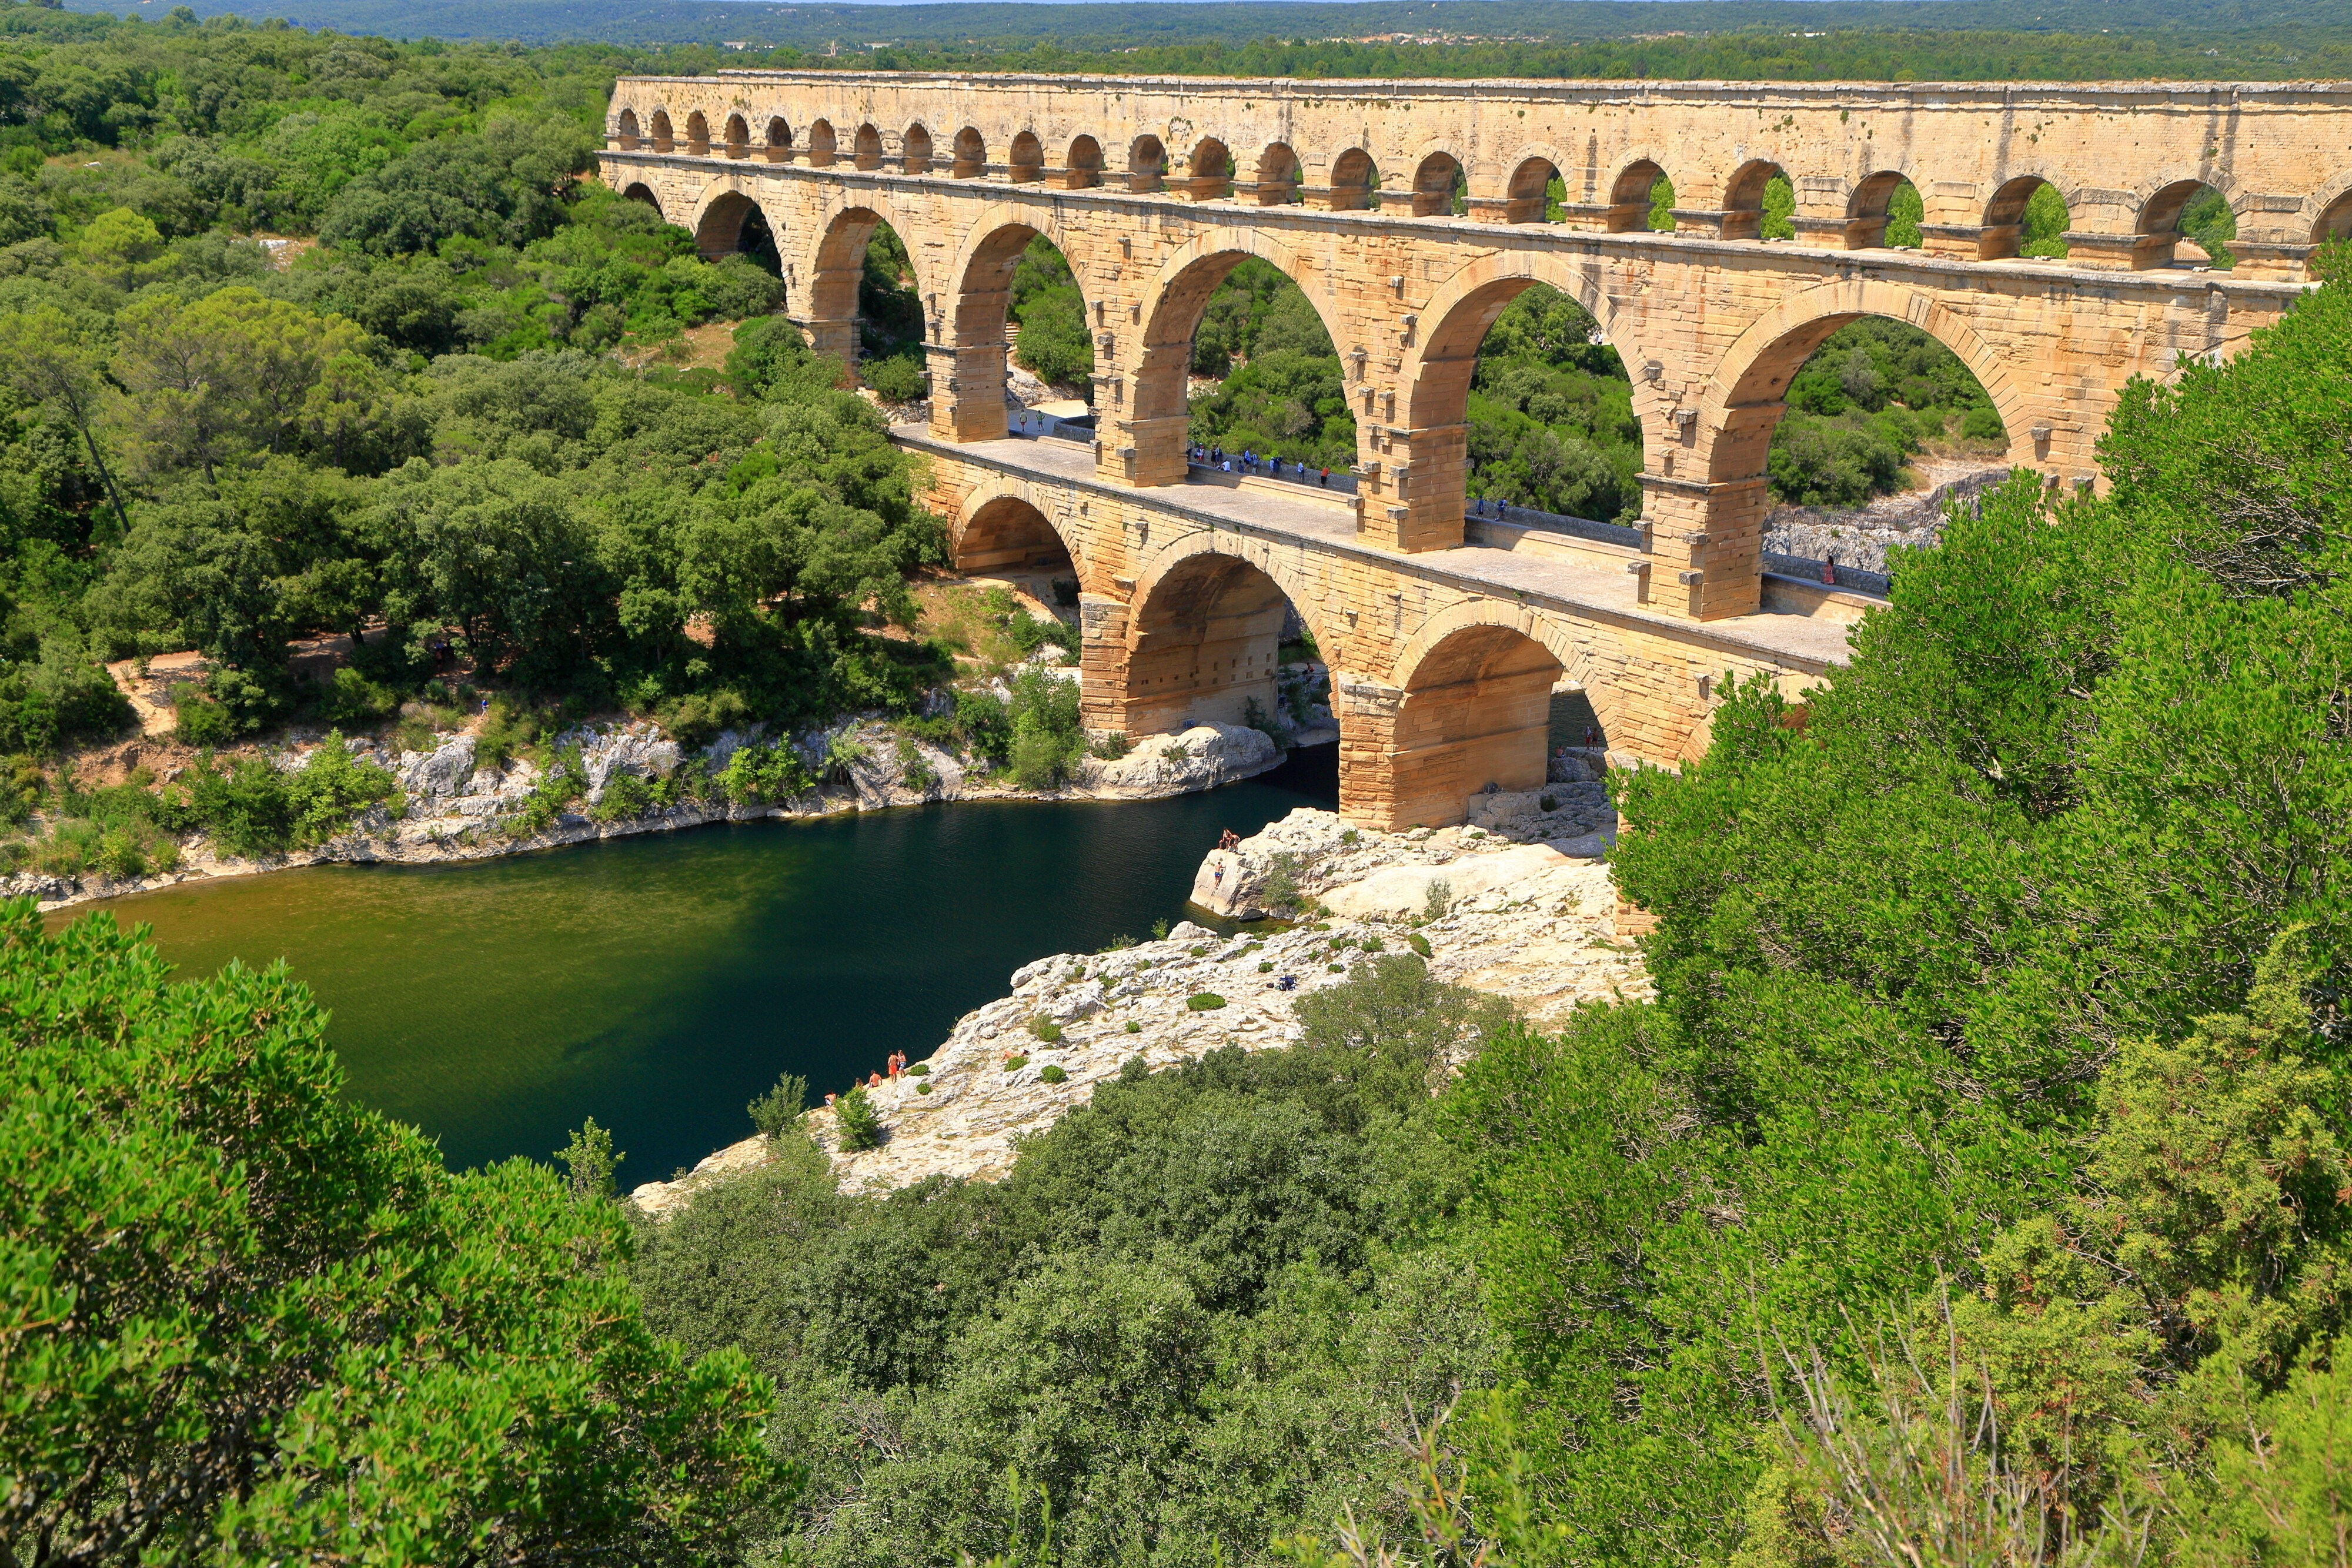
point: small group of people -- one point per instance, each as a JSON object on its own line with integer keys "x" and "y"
{"x": 1249, "y": 462}
{"x": 897, "y": 1064}
{"x": 1481, "y": 507}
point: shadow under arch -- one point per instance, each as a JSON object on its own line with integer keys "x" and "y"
{"x": 1583, "y": 666}
{"x": 1630, "y": 196}
{"x": 981, "y": 276}
{"x": 1203, "y": 635}
{"x": 730, "y": 222}
{"x": 998, "y": 529}
{"x": 1527, "y": 194}
{"x": 1475, "y": 714}
{"x": 638, "y": 191}
{"x": 1157, "y": 419}
{"x": 1746, "y": 399}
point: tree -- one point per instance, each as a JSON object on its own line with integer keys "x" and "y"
{"x": 44, "y": 356}
{"x": 225, "y": 377}
{"x": 122, "y": 238}
{"x": 247, "y": 1319}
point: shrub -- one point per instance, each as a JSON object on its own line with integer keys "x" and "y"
{"x": 860, "y": 1124}
{"x": 1046, "y": 1030}
{"x": 1110, "y": 748}
{"x": 920, "y": 1070}
{"x": 625, "y": 795}
{"x": 1133, "y": 1027}
{"x": 923, "y": 1088}
{"x": 1160, "y": 930}
{"x": 899, "y": 379}
{"x": 778, "y": 1110}
{"x": 914, "y": 770}
{"x": 1204, "y": 1001}
{"x": 1549, "y": 802}
{"x": 1015, "y": 1062}
{"x": 1418, "y": 943}
{"x": 1266, "y": 967}
{"x": 1052, "y": 1072}
{"x": 1440, "y": 899}
{"x": 764, "y": 775}
{"x": 350, "y": 697}
{"x": 200, "y": 720}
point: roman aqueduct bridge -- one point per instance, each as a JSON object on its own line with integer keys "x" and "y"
{"x": 1446, "y": 638}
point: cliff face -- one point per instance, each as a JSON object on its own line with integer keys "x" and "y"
{"x": 1512, "y": 913}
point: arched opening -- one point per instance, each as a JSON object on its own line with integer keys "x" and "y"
{"x": 1759, "y": 203}
{"x": 1027, "y": 159}
{"x": 1846, "y": 410}
{"x": 916, "y": 151}
{"x": 1438, "y": 187}
{"x": 697, "y": 134}
{"x": 780, "y": 141}
{"x": 1085, "y": 165}
{"x": 970, "y": 157}
{"x": 867, "y": 149}
{"x": 1355, "y": 181}
{"x": 2026, "y": 217}
{"x": 2187, "y": 224}
{"x": 739, "y": 137}
{"x": 1536, "y": 193}
{"x": 1210, "y": 168}
{"x": 1292, "y": 398}
{"x": 821, "y": 143}
{"x": 863, "y": 305}
{"x": 1277, "y": 181}
{"x": 627, "y": 129}
{"x": 1275, "y": 394}
{"x": 1147, "y": 163}
{"x": 1884, "y": 210}
{"x": 1475, "y": 718}
{"x": 1642, "y": 198}
{"x": 1008, "y": 537}
{"x": 1552, "y": 439}
{"x": 2335, "y": 222}
{"x": 1018, "y": 274}
{"x": 733, "y": 225}
{"x": 663, "y": 140}
{"x": 1204, "y": 646}
{"x": 638, "y": 191}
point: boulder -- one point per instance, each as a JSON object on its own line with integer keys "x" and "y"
{"x": 437, "y": 775}
{"x": 1202, "y": 757}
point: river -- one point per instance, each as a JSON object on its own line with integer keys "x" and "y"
{"x": 658, "y": 982}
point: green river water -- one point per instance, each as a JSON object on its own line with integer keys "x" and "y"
{"x": 657, "y": 982}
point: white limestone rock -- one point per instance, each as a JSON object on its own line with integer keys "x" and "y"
{"x": 1201, "y": 758}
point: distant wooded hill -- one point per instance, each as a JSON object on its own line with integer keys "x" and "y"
{"x": 2036, "y": 39}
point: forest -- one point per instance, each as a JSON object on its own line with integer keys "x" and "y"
{"x": 1976, "y": 1190}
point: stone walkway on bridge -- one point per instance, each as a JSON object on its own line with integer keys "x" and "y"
{"x": 1604, "y": 592}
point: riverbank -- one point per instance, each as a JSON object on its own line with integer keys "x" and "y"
{"x": 1517, "y": 904}
{"x": 458, "y": 800}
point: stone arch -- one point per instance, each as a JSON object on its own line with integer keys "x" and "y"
{"x": 1085, "y": 165}
{"x": 969, "y": 155}
{"x": 999, "y": 528}
{"x": 1147, "y": 163}
{"x": 1743, "y": 403}
{"x": 981, "y": 275}
{"x": 697, "y": 134}
{"x": 1571, "y": 645}
{"x": 739, "y": 137}
{"x": 780, "y": 140}
{"x": 914, "y": 150}
{"x": 638, "y": 191}
{"x": 2004, "y": 215}
{"x": 1527, "y": 193}
{"x": 1355, "y": 181}
{"x": 821, "y": 143}
{"x": 835, "y": 263}
{"x": 2157, "y": 222}
{"x": 1278, "y": 177}
{"x": 1209, "y": 170}
{"x": 1026, "y": 161}
{"x": 1743, "y": 197}
{"x": 1629, "y": 194}
{"x": 721, "y": 218}
{"x": 1432, "y": 185}
{"x": 1157, "y": 419}
{"x": 1474, "y": 711}
{"x": 2334, "y": 222}
{"x": 664, "y": 139}
{"x": 626, "y": 129}
{"x": 1866, "y": 208}
{"x": 1203, "y": 634}
{"x": 866, "y": 147}
{"x": 1437, "y": 368}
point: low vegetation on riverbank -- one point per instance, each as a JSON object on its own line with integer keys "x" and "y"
{"x": 1975, "y": 1190}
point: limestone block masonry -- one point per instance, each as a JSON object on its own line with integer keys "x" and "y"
{"x": 1156, "y": 188}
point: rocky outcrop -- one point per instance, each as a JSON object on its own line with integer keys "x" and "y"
{"x": 1201, "y": 758}
{"x": 1523, "y": 919}
{"x": 1860, "y": 536}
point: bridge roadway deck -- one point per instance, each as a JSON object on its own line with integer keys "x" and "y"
{"x": 1800, "y": 644}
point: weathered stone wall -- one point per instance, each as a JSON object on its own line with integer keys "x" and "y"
{"x": 1712, "y": 325}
